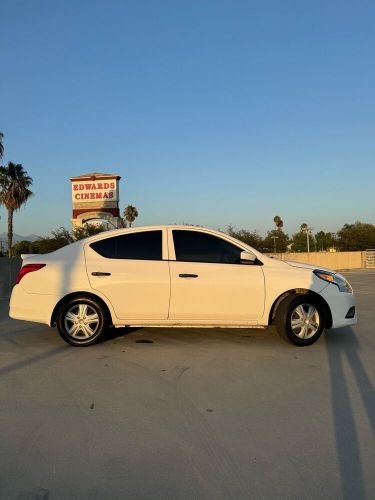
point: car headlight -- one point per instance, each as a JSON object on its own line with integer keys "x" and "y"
{"x": 335, "y": 279}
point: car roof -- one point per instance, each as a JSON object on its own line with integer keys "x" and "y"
{"x": 125, "y": 230}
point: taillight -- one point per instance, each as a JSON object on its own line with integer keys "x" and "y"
{"x": 28, "y": 268}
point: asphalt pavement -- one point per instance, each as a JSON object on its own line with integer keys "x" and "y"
{"x": 165, "y": 414}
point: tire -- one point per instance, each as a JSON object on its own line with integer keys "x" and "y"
{"x": 300, "y": 319}
{"x": 82, "y": 321}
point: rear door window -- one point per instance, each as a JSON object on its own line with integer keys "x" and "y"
{"x": 146, "y": 245}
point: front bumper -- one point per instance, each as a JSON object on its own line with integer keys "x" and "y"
{"x": 340, "y": 304}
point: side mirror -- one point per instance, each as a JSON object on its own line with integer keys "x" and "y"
{"x": 247, "y": 257}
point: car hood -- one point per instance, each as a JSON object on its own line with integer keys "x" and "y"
{"x": 307, "y": 266}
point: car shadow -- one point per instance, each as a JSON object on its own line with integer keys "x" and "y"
{"x": 115, "y": 333}
{"x": 343, "y": 349}
{"x": 198, "y": 336}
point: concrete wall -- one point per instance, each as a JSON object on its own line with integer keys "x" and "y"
{"x": 332, "y": 260}
{"x": 9, "y": 268}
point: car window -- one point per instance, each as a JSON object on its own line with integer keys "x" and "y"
{"x": 194, "y": 246}
{"x": 146, "y": 245}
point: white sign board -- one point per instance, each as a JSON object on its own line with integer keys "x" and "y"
{"x": 98, "y": 190}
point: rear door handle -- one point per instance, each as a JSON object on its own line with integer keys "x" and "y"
{"x": 183, "y": 275}
{"x": 98, "y": 273}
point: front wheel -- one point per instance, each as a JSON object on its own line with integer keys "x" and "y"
{"x": 81, "y": 321}
{"x": 300, "y": 319}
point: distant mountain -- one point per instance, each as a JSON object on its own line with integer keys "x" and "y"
{"x": 18, "y": 237}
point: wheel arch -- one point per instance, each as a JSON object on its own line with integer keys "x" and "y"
{"x": 302, "y": 291}
{"x": 73, "y": 295}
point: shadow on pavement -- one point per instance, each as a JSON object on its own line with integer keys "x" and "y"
{"x": 115, "y": 333}
{"x": 33, "y": 359}
{"x": 343, "y": 347}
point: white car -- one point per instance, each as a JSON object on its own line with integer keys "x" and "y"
{"x": 176, "y": 276}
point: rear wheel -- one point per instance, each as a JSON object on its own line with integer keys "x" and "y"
{"x": 81, "y": 321}
{"x": 300, "y": 319}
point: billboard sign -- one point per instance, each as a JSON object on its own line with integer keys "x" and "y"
{"x": 95, "y": 190}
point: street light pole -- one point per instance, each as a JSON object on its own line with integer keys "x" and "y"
{"x": 306, "y": 229}
{"x": 274, "y": 243}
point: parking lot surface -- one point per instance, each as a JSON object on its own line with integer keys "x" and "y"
{"x": 189, "y": 413}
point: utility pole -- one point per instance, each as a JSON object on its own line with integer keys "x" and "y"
{"x": 307, "y": 230}
{"x": 274, "y": 243}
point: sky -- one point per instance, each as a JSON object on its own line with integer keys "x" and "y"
{"x": 213, "y": 112}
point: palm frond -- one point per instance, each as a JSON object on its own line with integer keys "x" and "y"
{"x": 1, "y": 144}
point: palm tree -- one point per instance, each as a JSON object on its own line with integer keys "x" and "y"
{"x": 278, "y": 222}
{"x": 130, "y": 214}
{"x": 14, "y": 192}
{"x": 1, "y": 145}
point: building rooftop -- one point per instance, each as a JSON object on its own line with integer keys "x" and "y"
{"x": 95, "y": 175}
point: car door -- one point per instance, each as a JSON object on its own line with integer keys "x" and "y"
{"x": 130, "y": 271}
{"x": 209, "y": 282}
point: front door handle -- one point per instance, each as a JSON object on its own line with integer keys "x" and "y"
{"x": 97, "y": 273}
{"x": 183, "y": 275}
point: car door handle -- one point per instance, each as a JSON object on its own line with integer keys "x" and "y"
{"x": 183, "y": 275}
{"x": 98, "y": 273}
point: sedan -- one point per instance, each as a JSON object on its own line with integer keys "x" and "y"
{"x": 177, "y": 276}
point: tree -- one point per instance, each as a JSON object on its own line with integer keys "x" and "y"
{"x": 251, "y": 238}
{"x": 14, "y": 192}
{"x": 357, "y": 236}
{"x": 130, "y": 214}
{"x": 324, "y": 241}
{"x": 1, "y": 145}
{"x": 278, "y": 222}
{"x": 59, "y": 238}
{"x": 275, "y": 238}
{"x": 87, "y": 230}
{"x": 299, "y": 241}
{"x": 23, "y": 246}
{"x": 46, "y": 244}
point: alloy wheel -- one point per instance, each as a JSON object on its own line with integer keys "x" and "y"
{"x": 81, "y": 321}
{"x": 305, "y": 321}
